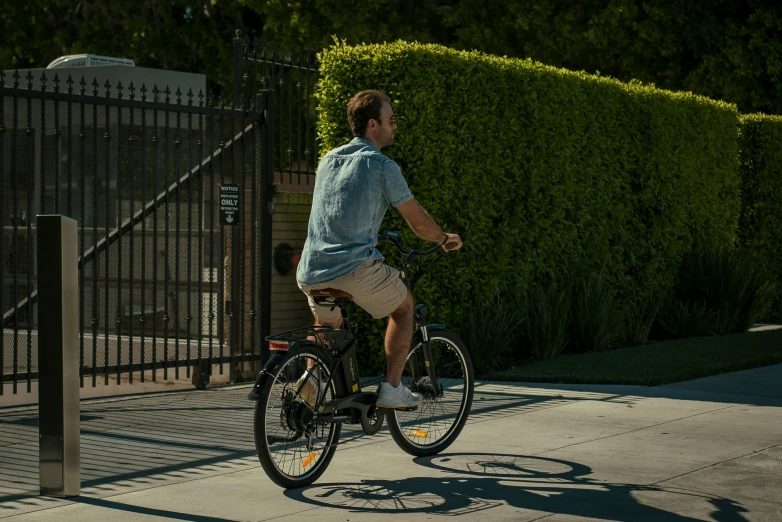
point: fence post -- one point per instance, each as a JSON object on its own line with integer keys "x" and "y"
{"x": 265, "y": 102}
{"x": 238, "y": 90}
{"x": 236, "y": 314}
{"x": 58, "y": 356}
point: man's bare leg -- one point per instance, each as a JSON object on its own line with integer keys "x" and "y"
{"x": 399, "y": 334}
{"x": 318, "y": 322}
{"x": 335, "y": 324}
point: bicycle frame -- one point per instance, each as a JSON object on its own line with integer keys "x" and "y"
{"x": 346, "y": 398}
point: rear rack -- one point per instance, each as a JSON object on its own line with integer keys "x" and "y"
{"x": 323, "y": 337}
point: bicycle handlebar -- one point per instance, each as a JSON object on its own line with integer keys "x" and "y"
{"x": 394, "y": 238}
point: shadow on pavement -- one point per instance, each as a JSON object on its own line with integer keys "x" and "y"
{"x": 765, "y": 393}
{"x": 168, "y": 515}
{"x": 485, "y": 481}
{"x": 132, "y": 444}
{"x": 151, "y": 441}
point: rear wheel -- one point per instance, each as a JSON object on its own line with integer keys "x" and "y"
{"x": 293, "y": 447}
{"x": 444, "y": 410}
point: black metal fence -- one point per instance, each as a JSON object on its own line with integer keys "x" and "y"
{"x": 292, "y": 76}
{"x": 163, "y": 287}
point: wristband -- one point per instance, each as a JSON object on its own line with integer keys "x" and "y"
{"x": 445, "y": 240}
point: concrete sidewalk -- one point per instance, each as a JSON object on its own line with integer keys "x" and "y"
{"x": 529, "y": 452}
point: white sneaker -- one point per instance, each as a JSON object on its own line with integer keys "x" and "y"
{"x": 399, "y": 397}
{"x": 312, "y": 388}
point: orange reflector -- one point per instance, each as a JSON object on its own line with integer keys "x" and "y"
{"x": 278, "y": 346}
{"x": 419, "y": 433}
{"x": 309, "y": 460}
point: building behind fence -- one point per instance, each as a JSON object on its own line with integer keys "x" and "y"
{"x": 137, "y": 157}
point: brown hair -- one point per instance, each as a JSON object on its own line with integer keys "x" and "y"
{"x": 363, "y": 107}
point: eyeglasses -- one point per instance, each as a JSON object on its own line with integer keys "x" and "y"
{"x": 391, "y": 120}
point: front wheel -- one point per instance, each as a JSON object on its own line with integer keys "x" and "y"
{"x": 444, "y": 410}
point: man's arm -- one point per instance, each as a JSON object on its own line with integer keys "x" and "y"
{"x": 423, "y": 226}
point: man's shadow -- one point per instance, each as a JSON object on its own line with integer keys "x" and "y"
{"x": 487, "y": 480}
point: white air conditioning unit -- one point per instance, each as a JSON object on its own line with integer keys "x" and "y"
{"x": 88, "y": 60}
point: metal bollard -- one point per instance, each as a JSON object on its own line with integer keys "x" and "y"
{"x": 58, "y": 356}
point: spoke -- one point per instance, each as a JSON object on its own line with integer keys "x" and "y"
{"x": 290, "y": 457}
{"x": 436, "y": 416}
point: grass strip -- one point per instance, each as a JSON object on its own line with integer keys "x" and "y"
{"x": 657, "y": 363}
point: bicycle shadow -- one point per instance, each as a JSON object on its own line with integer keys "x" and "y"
{"x": 534, "y": 484}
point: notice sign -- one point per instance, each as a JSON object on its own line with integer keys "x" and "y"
{"x": 229, "y": 204}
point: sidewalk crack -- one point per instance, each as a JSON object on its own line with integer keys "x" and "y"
{"x": 637, "y": 429}
{"x": 714, "y": 464}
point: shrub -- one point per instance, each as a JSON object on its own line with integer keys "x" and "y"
{"x": 594, "y": 319}
{"x": 546, "y": 319}
{"x": 729, "y": 282}
{"x": 490, "y": 331}
{"x": 540, "y": 169}
{"x": 760, "y": 224}
{"x": 641, "y": 311}
{"x": 687, "y": 319}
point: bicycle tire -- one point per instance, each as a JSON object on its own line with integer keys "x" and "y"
{"x": 399, "y": 423}
{"x": 262, "y": 421}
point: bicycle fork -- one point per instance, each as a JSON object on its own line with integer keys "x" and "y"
{"x": 423, "y": 328}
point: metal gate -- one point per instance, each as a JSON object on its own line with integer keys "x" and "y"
{"x": 164, "y": 287}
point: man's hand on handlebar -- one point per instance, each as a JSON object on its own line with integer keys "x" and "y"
{"x": 449, "y": 243}
{"x": 454, "y": 242}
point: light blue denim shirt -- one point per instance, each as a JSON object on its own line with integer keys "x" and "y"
{"x": 353, "y": 188}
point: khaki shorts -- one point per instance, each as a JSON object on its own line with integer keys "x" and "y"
{"x": 375, "y": 287}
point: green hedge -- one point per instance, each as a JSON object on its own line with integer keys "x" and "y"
{"x": 760, "y": 224}
{"x": 540, "y": 170}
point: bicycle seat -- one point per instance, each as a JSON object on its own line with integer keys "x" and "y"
{"x": 330, "y": 295}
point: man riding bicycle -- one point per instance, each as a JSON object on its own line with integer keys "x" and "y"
{"x": 355, "y": 184}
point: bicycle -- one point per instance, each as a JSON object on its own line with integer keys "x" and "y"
{"x": 296, "y": 438}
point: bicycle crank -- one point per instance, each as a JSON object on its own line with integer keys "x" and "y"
{"x": 371, "y": 419}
